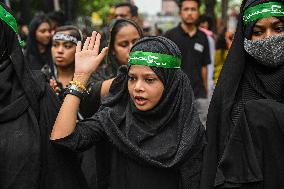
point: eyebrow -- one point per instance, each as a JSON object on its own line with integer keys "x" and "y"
{"x": 273, "y": 23}
{"x": 147, "y": 74}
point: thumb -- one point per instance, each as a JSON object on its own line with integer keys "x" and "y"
{"x": 102, "y": 54}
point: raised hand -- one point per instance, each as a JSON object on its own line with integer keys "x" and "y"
{"x": 88, "y": 58}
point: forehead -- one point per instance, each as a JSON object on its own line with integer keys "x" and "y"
{"x": 268, "y": 21}
{"x": 127, "y": 32}
{"x": 189, "y": 4}
{"x": 122, "y": 9}
{"x": 141, "y": 70}
{"x": 44, "y": 25}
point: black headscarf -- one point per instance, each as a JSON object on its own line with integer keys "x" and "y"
{"x": 36, "y": 59}
{"x": 242, "y": 79}
{"x": 168, "y": 136}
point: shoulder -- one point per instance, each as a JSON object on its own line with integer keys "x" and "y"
{"x": 172, "y": 32}
{"x": 264, "y": 112}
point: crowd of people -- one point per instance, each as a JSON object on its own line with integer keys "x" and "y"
{"x": 120, "y": 108}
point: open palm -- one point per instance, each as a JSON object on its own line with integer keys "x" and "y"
{"x": 88, "y": 58}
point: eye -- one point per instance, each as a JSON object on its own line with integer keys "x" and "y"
{"x": 150, "y": 80}
{"x": 279, "y": 28}
{"x": 257, "y": 32}
{"x": 68, "y": 46}
{"x": 123, "y": 44}
{"x": 131, "y": 78}
{"x": 54, "y": 45}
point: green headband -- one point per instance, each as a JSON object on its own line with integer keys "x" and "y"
{"x": 263, "y": 10}
{"x": 9, "y": 19}
{"x": 154, "y": 59}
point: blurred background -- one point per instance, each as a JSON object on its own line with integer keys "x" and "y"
{"x": 153, "y": 14}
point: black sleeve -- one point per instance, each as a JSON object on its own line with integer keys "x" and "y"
{"x": 87, "y": 132}
{"x": 206, "y": 53}
{"x": 91, "y": 103}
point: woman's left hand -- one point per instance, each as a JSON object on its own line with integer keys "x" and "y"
{"x": 88, "y": 58}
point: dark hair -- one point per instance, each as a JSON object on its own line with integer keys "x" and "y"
{"x": 180, "y": 2}
{"x": 133, "y": 9}
{"x": 206, "y": 18}
{"x": 116, "y": 26}
{"x": 57, "y": 16}
{"x": 73, "y": 31}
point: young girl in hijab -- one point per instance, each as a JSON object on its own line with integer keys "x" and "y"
{"x": 28, "y": 108}
{"x": 149, "y": 118}
{"x": 38, "y": 45}
{"x": 245, "y": 130}
{"x": 63, "y": 51}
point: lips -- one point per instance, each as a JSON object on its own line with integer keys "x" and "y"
{"x": 59, "y": 59}
{"x": 139, "y": 100}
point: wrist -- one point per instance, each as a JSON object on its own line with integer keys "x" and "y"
{"x": 81, "y": 77}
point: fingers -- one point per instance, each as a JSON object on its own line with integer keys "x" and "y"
{"x": 79, "y": 47}
{"x": 97, "y": 44}
{"x": 86, "y": 44}
{"x": 92, "y": 41}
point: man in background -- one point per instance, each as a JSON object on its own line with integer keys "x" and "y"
{"x": 195, "y": 52}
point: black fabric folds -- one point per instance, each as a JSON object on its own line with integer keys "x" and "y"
{"x": 28, "y": 108}
{"x": 242, "y": 79}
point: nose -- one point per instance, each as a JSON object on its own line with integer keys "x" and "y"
{"x": 270, "y": 32}
{"x": 60, "y": 49}
{"x": 138, "y": 87}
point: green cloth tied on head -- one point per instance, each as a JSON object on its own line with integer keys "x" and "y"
{"x": 264, "y": 10}
{"x": 10, "y": 20}
{"x": 154, "y": 59}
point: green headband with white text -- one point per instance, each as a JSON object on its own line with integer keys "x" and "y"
{"x": 10, "y": 20}
{"x": 154, "y": 59}
{"x": 263, "y": 10}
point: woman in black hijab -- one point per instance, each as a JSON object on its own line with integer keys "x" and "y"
{"x": 28, "y": 108}
{"x": 156, "y": 142}
{"x": 38, "y": 46}
{"x": 254, "y": 70}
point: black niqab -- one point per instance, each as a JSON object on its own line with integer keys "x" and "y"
{"x": 242, "y": 79}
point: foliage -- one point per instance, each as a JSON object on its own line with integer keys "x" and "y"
{"x": 102, "y": 7}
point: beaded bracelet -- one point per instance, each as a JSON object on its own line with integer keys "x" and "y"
{"x": 78, "y": 84}
{"x": 75, "y": 90}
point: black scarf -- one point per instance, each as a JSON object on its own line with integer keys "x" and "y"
{"x": 173, "y": 124}
{"x": 242, "y": 79}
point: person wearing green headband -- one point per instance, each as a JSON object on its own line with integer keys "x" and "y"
{"x": 245, "y": 119}
{"x": 149, "y": 118}
{"x": 28, "y": 108}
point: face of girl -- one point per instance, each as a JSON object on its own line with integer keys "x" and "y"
{"x": 267, "y": 27}
{"x": 43, "y": 33}
{"x": 124, "y": 40}
{"x": 63, "y": 52}
{"x": 144, "y": 86}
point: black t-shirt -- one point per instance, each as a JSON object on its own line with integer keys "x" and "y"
{"x": 195, "y": 55}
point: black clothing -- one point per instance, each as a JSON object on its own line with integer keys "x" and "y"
{"x": 141, "y": 136}
{"x": 242, "y": 79}
{"x": 254, "y": 157}
{"x": 35, "y": 59}
{"x": 195, "y": 54}
{"x": 28, "y": 108}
